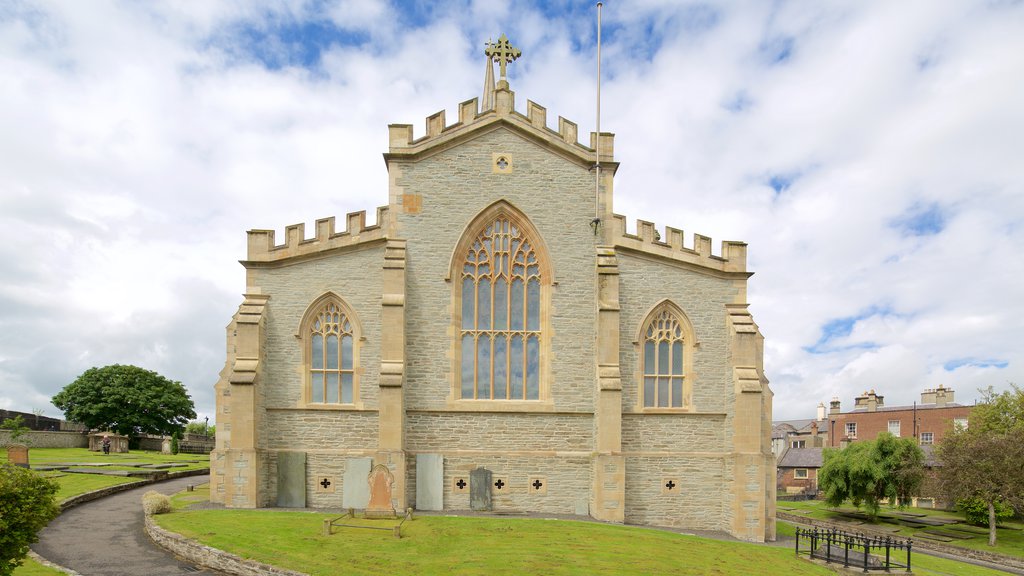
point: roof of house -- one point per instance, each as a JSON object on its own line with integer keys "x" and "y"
{"x": 781, "y": 427}
{"x": 864, "y": 409}
{"x": 801, "y": 458}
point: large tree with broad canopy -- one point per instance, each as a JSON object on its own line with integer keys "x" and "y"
{"x": 127, "y": 400}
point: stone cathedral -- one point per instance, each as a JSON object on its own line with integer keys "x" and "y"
{"x": 498, "y": 341}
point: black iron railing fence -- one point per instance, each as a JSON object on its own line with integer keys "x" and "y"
{"x": 854, "y": 550}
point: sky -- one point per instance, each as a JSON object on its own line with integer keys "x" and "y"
{"x": 871, "y": 153}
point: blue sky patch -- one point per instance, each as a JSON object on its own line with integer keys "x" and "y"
{"x": 781, "y": 182}
{"x": 920, "y": 220}
{"x": 839, "y": 328}
{"x": 974, "y": 363}
{"x": 777, "y": 50}
{"x": 283, "y": 43}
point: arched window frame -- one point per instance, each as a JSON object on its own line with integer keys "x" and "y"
{"x": 500, "y": 210}
{"x": 310, "y": 367}
{"x": 687, "y": 338}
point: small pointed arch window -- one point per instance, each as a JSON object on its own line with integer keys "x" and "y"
{"x": 332, "y": 337}
{"x": 502, "y": 290}
{"x": 665, "y": 358}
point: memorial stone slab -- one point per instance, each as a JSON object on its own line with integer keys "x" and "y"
{"x": 480, "y": 489}
{"x": 381, "y": 481}
{"x": 355, "y": 492}
{"x": 429, "y": 482}
{"x": 291, "y": 479}
{"x": 17, "y": 454}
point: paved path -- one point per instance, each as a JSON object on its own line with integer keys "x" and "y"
{"x": 105, "y": 537}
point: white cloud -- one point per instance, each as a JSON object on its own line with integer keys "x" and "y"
{"x": 143, "y": 140}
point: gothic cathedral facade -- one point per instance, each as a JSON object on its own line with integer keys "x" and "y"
{"x": 499, "y": 318}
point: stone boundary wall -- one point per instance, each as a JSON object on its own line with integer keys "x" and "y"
{"x": 208, "y": 557}
{"x": 1017, "y": 564}
{"x": 49, "y": 439}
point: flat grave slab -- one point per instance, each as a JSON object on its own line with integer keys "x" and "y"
{"x": 121, "y": 473}
{"x": 930, "y": 536}
{"x": 948, "y": 534}
{"x": 977, "y": 530}
{"x": 160, "y": 466}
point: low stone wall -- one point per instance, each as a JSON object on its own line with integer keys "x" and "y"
{"x": 1017, "y": 564}
{"x": 208, "y": 557}
{"x": 96, "y": 494}
{"x": 48, "y": 439}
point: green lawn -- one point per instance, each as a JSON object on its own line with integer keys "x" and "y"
{"x": 75, "y": 484}
{"x": 473, "y": 545}
{"x": 1009, "y": 535}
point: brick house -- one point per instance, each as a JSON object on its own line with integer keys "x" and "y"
{"x": 928, "y": 421}
{"x": 798, "y": 470}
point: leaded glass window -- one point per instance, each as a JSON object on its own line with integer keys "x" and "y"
{"x": 663, "y": 370}
{"x": 501, "y": 321}
{"x": 332, "y": 356}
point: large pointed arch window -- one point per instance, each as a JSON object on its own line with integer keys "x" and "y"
{"x": 665, "y": 358}
{"x": 332, "y": 353}
{"x": 501, "y": 293}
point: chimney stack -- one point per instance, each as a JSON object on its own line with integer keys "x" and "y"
{"x": 833, "y": 406}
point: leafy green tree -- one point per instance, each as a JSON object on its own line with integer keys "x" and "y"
{"x": 985, "y": 461}
{"x": 865, "y": 473}
{"x": 976, "y": 510}
{"x": 27, "y": 504}
{"x": 126, "y": 399}
{"x": 200, "y": 427}
{"x": 17, "y": 428}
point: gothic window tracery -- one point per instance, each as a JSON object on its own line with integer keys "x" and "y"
{"x": 332, "y": 355}
{"x": 666, "y": 339}
{"x": 501, "y": 298}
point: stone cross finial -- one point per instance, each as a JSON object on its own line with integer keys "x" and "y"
{"x": 502, "y": 52}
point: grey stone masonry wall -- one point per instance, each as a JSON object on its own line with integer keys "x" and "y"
{"x": 498, "y": 432}
{"x": 698, "y": 499}
{"x": 644, "y": 283}
{"x": 678, "y": 433}
{"x": 355, "y": 276}
{"x": 320, "y": 430}
{"x": 40, "y": 439}
{"x": 566, "y": 482}
{"x": 456, "y": 185}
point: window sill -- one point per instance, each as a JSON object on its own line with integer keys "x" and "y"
{"x": 357, "y": 407}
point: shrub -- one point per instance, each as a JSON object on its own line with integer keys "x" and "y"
{"x": 154, "y": 502}
{"x": 976, "y": 511}
{"x": 27, "y": 504}
{"x": 17, "y": 428}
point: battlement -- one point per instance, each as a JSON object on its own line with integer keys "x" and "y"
{"x": 472, "y": 119}
{"x": 648, "y": 240}
{"x": 263, "y": 246}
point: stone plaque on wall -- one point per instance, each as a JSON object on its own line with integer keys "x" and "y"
{"x": 429, "y": 482}
{"x": 355, "y": 492}
{"x": 291, "y": 479}
{"x": 480, "y": 489}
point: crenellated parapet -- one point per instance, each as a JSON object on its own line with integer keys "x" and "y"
{"x": 263, "y": 245}
{"x": 648, "y": 240}
{"x": 440, "y": 134}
